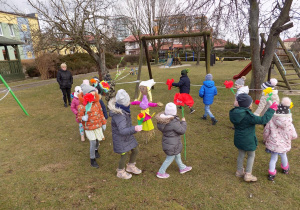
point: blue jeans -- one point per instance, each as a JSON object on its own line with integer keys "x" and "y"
{"x": 168, "y": 162}
{"x": 208, "y": 112}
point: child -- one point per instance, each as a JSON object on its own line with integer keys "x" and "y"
{"x": 208, "y": 92}
{"x": 122, "y": 133}
{"x": 244, "y": 135}
{"x": 74, "y": 108}
{"x": 240, "y": 86}
{"x": 171, "y": 127}
{"x": 184, "y": 85}
{"x": 278, "y": 134}
{"x": 264, "y": 104}
{"x": 91, "y": 115}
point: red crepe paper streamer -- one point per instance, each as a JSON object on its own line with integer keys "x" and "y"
{"x": 257, "y": 102}
{"x": 229, "y": 85}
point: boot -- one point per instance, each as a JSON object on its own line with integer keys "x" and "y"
{"x": 65, "y": 105}
{"x": 286, "y": 169}
{"x": 133, "y": 169}
{"x": 94, "y": 163}
{"x": 214, "y": 121}
{"x": 97, "y": 155}
{"x": 271, "y": 175}
{"x": 82, "y": 138}
{"x": 240, "y": 173}
{"x": 249, "y": 177}
{"x": 192, "y": 111}
{"x": 204, "y": 117}
{"x": 121, "y": 173}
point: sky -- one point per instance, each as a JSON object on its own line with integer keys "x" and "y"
{"x": 24, "y": 7}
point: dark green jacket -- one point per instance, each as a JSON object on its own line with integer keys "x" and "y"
{"x": 244, "y": 122}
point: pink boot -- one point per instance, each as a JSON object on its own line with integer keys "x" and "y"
{"x": 286, "y": 169}
{"x": 271, "y": 175}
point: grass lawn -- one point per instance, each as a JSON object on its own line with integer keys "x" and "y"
{"x": 44, "y": 165}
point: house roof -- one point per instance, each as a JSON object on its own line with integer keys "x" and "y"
{"x": 132, "y": 38}
{"x": 6, "y": 41}
{"x": 294, "y": 39}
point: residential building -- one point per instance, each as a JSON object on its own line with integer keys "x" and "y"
{"x": 288, "y": 42}
{"x": 21, "y": 28}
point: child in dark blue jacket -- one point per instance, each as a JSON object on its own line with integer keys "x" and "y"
{"x": 184, "y": 85}
{"x": 208, "y": 92}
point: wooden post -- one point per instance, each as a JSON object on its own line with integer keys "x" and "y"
{"x": 18, "y": 58}
{"x": 208, "y": 51}
{"x": 147, "y": 58}
{"x": 136, "y": 94}
{"x": 205, "y": 51}
{"x": 8, "y": 58}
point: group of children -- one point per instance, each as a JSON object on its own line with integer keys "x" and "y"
{"x": 91, "y": 115}
{"x": 278, "y": 128}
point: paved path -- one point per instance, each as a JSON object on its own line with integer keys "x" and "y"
{"x": 43, "y": 82}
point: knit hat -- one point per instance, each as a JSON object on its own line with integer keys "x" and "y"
{"x": 86, "y": 82}
{"x": 87, "y": 88}
{"x": 284, "y": 107}
{"x": 272, "y": 83}
{"x": 244, "y": 100}
{"x": 184, "y": 72}
{"x": 240, "y": 81}
{"x": 77, "y": 91}
{"x": 122, "y": 97}
{"x": 170, "y": 109}
{"x": 96, "y": 78}
{"x": 208, "y": 77}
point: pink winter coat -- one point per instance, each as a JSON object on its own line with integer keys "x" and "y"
{"x": 74, "y": 107}
{"x": 279, "y": 132}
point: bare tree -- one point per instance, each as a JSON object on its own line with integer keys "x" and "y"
{"x": 149, "y": 17}
{"x": 78, "y": 24}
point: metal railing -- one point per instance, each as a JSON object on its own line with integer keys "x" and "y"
{"x": 280, "y": 63}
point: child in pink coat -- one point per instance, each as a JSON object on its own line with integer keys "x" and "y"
{"x": 74, "y": 108}
{"x": 278, "y": 134}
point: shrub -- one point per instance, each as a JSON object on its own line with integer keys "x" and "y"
{"x": 32, "y": 71}
{"x": 47, "y": 65}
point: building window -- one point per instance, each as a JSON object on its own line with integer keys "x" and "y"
{"x": 27, "y": 41}
{"x": 11, "y": 29}
{"x": 24, "y": 27}
{"x": 1, "y": 32}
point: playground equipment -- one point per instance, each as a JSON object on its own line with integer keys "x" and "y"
{"x": 286, "y": 63}
{"x": 207, "y": 48}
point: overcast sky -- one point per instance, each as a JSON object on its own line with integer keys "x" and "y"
{"x": 24, "y": 7}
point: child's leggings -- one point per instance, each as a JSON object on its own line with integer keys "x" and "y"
{"x": 250, "y": 160}
{"x": 207, "y": 111}
{"x": 168, "y": 162}
{"x": 94, "y": 144}
{"x": 124, "y": 157}
{"x": 274, "y": 158}
{"x": 81, "y": 130}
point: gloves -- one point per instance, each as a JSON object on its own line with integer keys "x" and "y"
{"x": 138, "y": 128}
{"x": 104, "y": 127}
{"x": 274, "y": 106}
{"x": 85, "y": 118}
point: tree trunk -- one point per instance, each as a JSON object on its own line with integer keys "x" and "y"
{"x": 155, "y": 53}
{"x": 240, "y": 46}
{"x": 198, "y": 57}
{"x": 102, "y": 70}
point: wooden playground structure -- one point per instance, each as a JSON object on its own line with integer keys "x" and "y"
{"x": 144, "y": 47}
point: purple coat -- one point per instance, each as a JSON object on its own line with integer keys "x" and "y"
{"x": 74, "y": 107}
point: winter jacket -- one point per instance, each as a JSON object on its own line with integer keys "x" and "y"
{"x": 74, "y": 107}
{"x": 243, "y": 89}
{"x": 171, "y": 128}
{"x": 121, "y": 128}
{"x": 183, "y": 84}
{"x": 103, "y": 108}
{"x": 244, "y": 122}
{"x": 208, "y": 92}
{"x": 264, "y": 104}
{"x": 95, "y": 116}
{"x": 64, "y": 79}
{"x": 279, "y": 132}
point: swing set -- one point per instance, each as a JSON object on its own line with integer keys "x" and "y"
{"x": 143, "y": 46}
